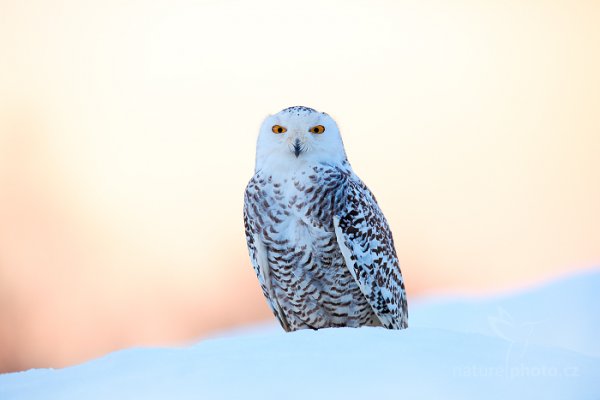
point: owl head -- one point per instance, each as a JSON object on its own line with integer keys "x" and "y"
{"x": 296, "y": 137}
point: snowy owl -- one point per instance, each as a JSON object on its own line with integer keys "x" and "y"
{"x": 318, "y": 241}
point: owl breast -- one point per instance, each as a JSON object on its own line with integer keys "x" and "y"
{"x": 307, "y": 275}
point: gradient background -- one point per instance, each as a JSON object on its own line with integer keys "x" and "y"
{"x": 127, "y": 135}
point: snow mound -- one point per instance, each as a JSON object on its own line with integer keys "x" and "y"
{"x": 486, "y": 350}
{"x": 563, "y": 313}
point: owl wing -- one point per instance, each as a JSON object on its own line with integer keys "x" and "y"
{"x": 367, "y": 245}
{"x": 260, "y": 260}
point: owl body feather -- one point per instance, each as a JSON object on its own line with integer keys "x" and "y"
{"x": 291, "y": 223}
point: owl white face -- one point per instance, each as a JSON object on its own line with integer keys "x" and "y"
{"x": 296, "y": 137}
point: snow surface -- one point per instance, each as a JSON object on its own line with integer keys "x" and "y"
{"x": 542, "y": 344}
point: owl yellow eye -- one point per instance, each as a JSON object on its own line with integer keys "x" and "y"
{"x": 317, "y": 129}
{"x": 278, "y": 129}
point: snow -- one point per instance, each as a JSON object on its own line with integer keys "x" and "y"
{"x": 542, "y": 343}
{"x": 564, "y": 313}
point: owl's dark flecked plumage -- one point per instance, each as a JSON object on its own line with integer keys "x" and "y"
{"x": 299, "y": 109}
{"x": 323, "y": 251}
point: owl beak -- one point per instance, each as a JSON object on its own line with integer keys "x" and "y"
{"x": 297, "y": 148}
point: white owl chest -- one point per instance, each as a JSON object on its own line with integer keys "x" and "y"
{"x": 303, "y": 211}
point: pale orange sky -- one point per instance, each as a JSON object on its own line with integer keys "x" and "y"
{"x": 127, "y": 134}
